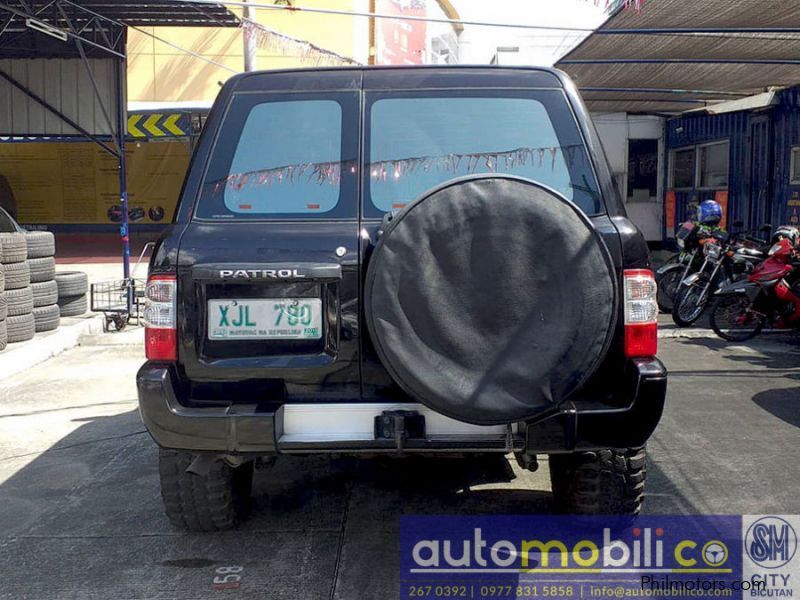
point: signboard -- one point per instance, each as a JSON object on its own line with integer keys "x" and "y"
{"x": 78, "y": 182}
{"x": 721, "y": 198}
{"x": 398, "y": 41}
{"x": 669, "y": 212}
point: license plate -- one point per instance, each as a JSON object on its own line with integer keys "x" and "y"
{"x": 265, "y": 319}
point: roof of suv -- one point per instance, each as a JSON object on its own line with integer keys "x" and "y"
{"x": 403, "y": 77}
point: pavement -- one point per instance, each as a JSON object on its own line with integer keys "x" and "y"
{"x": 19, "y": 356}
{"x": 81, "y": 516}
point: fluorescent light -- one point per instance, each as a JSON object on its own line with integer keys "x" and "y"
{"x": 46, "y": 29}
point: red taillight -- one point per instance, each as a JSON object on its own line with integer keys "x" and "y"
{"x": 160, "y": 344}
{"x": 641, "y": 314}
{"x": 160, "y": 333}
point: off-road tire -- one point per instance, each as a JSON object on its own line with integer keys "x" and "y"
{"x": 3, "y": 306}
{"x": 15, "y": 249}
{"x": 19, "y": 302}
{"x": 45, "y": 293}
{"x": 42, "y": 269}
{"x": 213, "y": 502}
{"x": 41, "y": 244}
{"x": 21, "y": 328}
{"x": 73, "y": 306}
{"x": 605, "y": 482}
{"x": 3, "y": 335}
{"x": 18, "y": 275}
{"x": 71, "y": 283}
{"x": 46, "y": 318}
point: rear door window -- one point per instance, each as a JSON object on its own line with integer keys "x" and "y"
{"x": 419, "y": 140}
{"x": 284, "y": 157}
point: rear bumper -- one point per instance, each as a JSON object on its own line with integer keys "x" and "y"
{"x": 248, "y": 429}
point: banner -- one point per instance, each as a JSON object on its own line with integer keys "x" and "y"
{"x": 547, "y": 557}
{"x": 669, "y": 213}
{"x": 78, "y": 182}
{"x": 398, "y": 41}
{"x": 721, "y": 197}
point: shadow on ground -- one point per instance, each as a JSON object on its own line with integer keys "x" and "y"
{"x": 84, "y": 520}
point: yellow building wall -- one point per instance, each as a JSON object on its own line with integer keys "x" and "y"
{"x": 158, "y": 72}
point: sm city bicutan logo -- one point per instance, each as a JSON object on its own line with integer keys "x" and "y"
{"x": 646, "y": 551}
{"x": 770, "y": 542}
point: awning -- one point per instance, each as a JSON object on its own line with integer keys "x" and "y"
{"x": 23, "y": 23}
{"x": 675, "y": 55}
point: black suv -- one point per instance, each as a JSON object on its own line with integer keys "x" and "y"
{"x": 400, "y": 260}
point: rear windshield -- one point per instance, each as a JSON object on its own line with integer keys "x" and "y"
{"x": 290, "y": 156}
{"x": 420, "y": 140}
{"x": 283, "y": 157}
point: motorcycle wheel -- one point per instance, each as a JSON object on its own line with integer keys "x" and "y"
{"x": 667, "y": 287}
{"x": 732, "y": 319}
{"x": 690, "y": 303}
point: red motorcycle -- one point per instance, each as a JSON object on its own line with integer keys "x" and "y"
{"x": 770, "y": 296}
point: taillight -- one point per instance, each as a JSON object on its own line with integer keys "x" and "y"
{"x": 641, "y": 314}
{"x": 160, "y": 329}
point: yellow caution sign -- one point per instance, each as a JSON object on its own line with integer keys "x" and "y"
{"x": 158, "y": 125}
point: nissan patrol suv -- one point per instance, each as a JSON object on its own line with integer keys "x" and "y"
{"x": 400, "y": 260}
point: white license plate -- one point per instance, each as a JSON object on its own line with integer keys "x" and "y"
{"x": 265, "y": 319}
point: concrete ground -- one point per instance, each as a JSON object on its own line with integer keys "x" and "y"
{"x": 80, "y": 513}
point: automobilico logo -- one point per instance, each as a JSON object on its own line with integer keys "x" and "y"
{"x": 771, "y": 542}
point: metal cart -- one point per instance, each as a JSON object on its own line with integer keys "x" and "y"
{"x": 121, "y": 300}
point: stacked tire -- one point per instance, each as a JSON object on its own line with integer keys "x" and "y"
{"x": 19, "y": 322}
{"x": 42, "y": 265}
{"x": 73, "y": 287}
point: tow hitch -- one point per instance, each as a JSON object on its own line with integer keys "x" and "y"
{"x": 399, "y": 425}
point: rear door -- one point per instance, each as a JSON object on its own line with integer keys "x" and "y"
{"x": 424, "y": 127}
{"x": 268, "y": 264}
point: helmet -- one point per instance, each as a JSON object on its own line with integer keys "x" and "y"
{"x": 709, "y": 212}
{"x": 786, "y": 232}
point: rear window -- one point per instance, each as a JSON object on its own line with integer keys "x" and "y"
{"x": 421, "y": 140}
{"x": 283, "y": 157}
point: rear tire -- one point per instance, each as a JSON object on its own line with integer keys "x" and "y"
{"x": 605, "y": 482}
{"x": 213, "y": 502}
{"x": 668, "y": 286}
{"x": 725, "y": 313}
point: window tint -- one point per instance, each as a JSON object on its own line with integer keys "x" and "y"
{"x": 282, "y": 158}
{"x": 714, "y": 166}
{"x": 418, "y": 142}
{"x": 683, "y": 168}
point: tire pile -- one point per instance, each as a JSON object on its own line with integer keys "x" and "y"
{"x": 42, "y": 264}
{"x": 19, "y": 321}
{"x": 73, "y": 287}
{"x": 33, "y": 297}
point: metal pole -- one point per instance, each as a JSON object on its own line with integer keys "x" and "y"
{"x": 249, "y": 39}
{"x": 122, "y": 126}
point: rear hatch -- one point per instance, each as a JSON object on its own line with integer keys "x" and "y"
{"x": 268, "y": 265}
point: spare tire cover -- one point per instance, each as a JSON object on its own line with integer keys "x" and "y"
{"x": 490, "y": 299}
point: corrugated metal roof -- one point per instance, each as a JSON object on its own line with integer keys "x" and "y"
{"x": 96, "y": 20}
{"x": 729, "y": 54}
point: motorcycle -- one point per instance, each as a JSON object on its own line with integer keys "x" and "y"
{"x": 725, "y": 261}
{"x": 671, "y": 275}
{"x": 769, "y": 296}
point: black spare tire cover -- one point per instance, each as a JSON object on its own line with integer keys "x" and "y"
{"x": 490, "y": 299}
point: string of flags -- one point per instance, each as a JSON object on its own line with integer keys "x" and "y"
{"x": 612, "y": 5}
{"x": 388, "y": 170}
{"x": 285, "y": 45}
